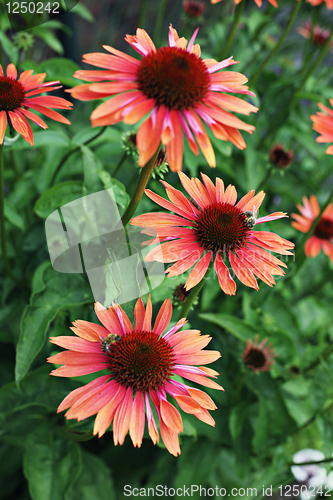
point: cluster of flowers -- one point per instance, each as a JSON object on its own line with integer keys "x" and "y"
{"x": 176, "y": 94}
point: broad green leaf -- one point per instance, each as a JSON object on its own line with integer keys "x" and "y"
{"x": 51, "y": 464}
{"x": 118, "y": 188}
{"x": 94, "y": 482}
{"x": 237, "y": 327}
{"x": 91, "y": 168}
{"x": 44, "y": 138}
{"x": 13, "y": 216}
{"x": 54, "y": 292}
{"x": 56, "y": 197}
{"x": 49, "y": 38}
{"x": 261, "y": 428}
{"x": 59, "y": 68}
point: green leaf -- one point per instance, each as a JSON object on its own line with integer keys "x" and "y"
{"x": 49, "y": 38}
{"x": 54, "y": 292}
{"x": 59, "y": 68}
{"x": 237, "y": 327}
{"x": 51, "y": 464}
{"x": 37, "y": 389}
{"x": 56, "y": 197}
{"x": 118, "y": 188}
{"x": 261, "y": 430}
{"x": 13, "y": 216}
{"x": 95, "y": 481}
{"x": 44, "y": 138}
{"x": 82, "y": 11}
{"x": 91, "y": 167}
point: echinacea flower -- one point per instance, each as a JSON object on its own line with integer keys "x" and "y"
{"x": 216, "y": 228}
{"x": 141, "y": 362}
{"x": 193, "y": 8}
{"x": 323, "y": 124}
{"x": 329, "y": 3}
{"x": 280, "y": 157}
{"x": 258, "y": 357}
{"x": 18, "y": 96}
{"x": 319, "y": 35}
{"x": 258, "y": 2}
{"x": 178, "y": 91}
{"x": 322, "y": 237}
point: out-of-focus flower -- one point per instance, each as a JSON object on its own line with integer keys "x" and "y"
{"x": 180, "y": 295}
{"x": 194, "y": 8}
{"x": 329, "y": 3}
{"x": 280, "y": 156}
{"x": 141, "y": 362}
{"x": 319, "y": 36}
{"x": 258, "y": 357}
{"x": 323, "y": 124}
{"x": 17, "y": 96}
{"x": 258, "y": 2}
{"x": 322, "y": 237}
{"x": 216, "y": 228}
{"x": 312, "y": 475}
{"x": 176, "y": 88}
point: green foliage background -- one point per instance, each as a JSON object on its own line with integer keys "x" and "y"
{"x": 261, "y": 420}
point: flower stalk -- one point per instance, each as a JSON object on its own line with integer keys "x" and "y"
{"x": 2, "y": 219}
{"x": 277, "y": 46}
{"x": 140, "y": 187}
{"x": 233, "y": 30}
{"x": 194, "y": 292}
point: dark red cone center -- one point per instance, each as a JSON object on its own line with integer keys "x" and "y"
{"x": 173, "y": 77}
{"x": 324, "y": 229}
{"x": 255, "y": 358}
{"x": 141, "y": 360}
{"x": 221, "y": 227}
{"x": 12, "y": 93}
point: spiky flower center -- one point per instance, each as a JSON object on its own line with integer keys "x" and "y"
{"x": 141, "y": 360}
{"x": 324, "y": 229}
{"x": 221, "y": 227}
{"x": 12, "y": 93}
{"x": 280, "y": 157}
{"x": 173, "y": 77}
{"x": 255, "y": 358}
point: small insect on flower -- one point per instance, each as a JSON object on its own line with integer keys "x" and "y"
{"x": 251, "y": 218}
{"x": 107, "y": 341}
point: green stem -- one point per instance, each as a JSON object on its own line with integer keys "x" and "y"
{"x": 233, "y": 30}
{"x": 300, "y": 255}
{"x": 313, "y": 67}
{"x": 159, "y": 21}
{"x": 309, "y": 42}
{"x": 2, "y": 219}
{"x": 140, "y": 187}
{"x": 65, "y": 158}
{"x": 142, "y": 13}
{"x": 278, "y": 44}
{"x": 194, "y": 292}
{"x": 120, "y": 164}
{"x": 265, "y": 179}
{"x": 324, "y": 460}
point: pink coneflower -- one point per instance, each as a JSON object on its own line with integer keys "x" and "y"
{"x": 258, "y": 358}
{"x": 217, "y": 227}
{"x": 141, "y": 362}
{"x": 176, "y": 88}
{"x": 17, "y": 96}
{"x": 329, "y": 3}
{"x": 258, "y": 2}
{"x": 322, "y": 237}
{"x": 280, "y": 157}
{"x": 319, "y": 36}
{"x": 323, "y": 124}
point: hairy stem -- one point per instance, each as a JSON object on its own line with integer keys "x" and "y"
{"x": 139, "y": 190}
{"x": 194, "y": 292}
